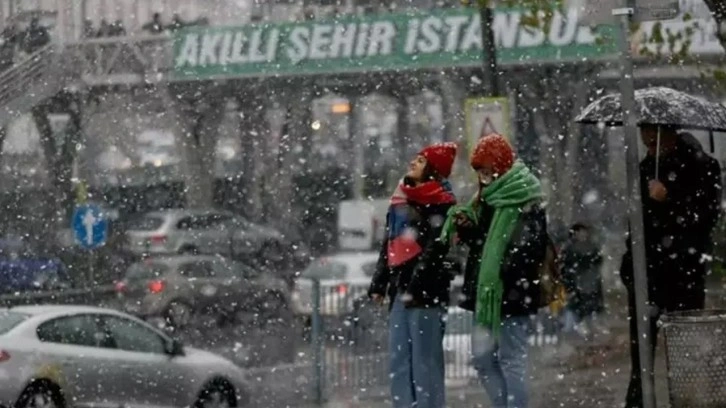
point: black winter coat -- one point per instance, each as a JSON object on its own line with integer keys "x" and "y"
{"x": 581, "y": 266}
{"x": 678, "y": 230}
{"x": 423, "y": 277}
{"x": 520, "y": 265}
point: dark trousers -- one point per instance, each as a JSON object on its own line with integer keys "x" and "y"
{"x": 693, "y": 301}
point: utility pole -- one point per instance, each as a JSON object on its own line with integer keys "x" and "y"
{"x": 490, "y": 68}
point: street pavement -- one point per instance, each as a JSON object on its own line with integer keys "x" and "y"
{"x": 571, "y": 374}
{"x": 564, "y": 376}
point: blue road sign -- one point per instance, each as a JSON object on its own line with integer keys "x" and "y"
{"x": 89, "y": 226}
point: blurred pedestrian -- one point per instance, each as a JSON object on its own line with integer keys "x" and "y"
{"x": 681, "y": 200}
{"x": 505, "y": 228}
{"x": 176, "y": 23}
{"x": 410, "y": 271}
{"x": 104, "y": 29}
{"x": 117, "y": 29}
{"x": 581, "y": 273}
{"x": 155, "y": 26}
{"x": 711, "y": 179}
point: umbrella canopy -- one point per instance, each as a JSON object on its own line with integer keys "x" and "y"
{"x": 658, "y": 106}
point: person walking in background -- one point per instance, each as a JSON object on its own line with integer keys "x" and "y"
{"x": 118, "y": 29}
{"x": 104, "y": 30}
{"x": 709, "y": 178}
{"x": 410, "y": 271}
{"x": 176, "y": 23}
{"x": 681, "y": 200}
{"x": 505, "y": 228}
{"x": 581, "y": 261}
{"x": 155, "y": 26}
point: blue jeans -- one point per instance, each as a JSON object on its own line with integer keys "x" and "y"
{"x": 502, "y": 363}
{"x": 416, "y": 338}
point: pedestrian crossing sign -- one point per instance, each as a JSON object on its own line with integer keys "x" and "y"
{"x": 487, "y": 115}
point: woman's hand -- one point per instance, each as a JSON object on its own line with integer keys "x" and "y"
{"x": 462, "y": 221}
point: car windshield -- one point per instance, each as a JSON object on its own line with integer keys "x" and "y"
{"x": 10, "y": 319}
{"x": 325, "y": 269}
{"x": 147, "y": 223}
{"x": 143, "y": 271}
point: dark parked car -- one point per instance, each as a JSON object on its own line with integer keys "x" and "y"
{"x": 212, "y": 232}
{"x": 179, "y": 287}
{"x": 207, "y": 293}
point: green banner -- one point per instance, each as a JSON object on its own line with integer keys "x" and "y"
{"x": 386, "y": 42}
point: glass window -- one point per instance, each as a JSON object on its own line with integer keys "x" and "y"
{"x": 219, "y": 220}
{"x": 129, "y": 335}
{"x": 185, "y": 223}
{"x": 147, "y": 223}
{"x": 10, "y": 319}
{"x": 146, "y": 271}
{"x": 197, "y": 270}
{"x": 201, "y": 222}
{"x": 80, "y": 330}
{"x": 242, "y": 270}
{"x": 325, "y": 269}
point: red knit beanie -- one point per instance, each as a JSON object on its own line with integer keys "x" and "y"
{"x": 440, "y": 157}
{"x": 493, "y": 151}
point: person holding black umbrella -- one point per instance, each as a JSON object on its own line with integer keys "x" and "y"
{"x": 680, "y": 209}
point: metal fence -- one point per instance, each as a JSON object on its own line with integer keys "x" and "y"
{"x": 350, "y": 340}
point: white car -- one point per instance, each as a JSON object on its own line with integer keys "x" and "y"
{"x": 343, "y": 277}
{"x": 344, "y": 280}
{"x": 61, "y": 356}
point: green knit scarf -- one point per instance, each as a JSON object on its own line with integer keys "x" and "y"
{"x": 507, "y": 195}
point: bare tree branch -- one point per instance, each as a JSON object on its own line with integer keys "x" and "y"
{"x": 718, "y": 11}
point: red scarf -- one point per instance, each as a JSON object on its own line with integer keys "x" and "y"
{"x": 402, "y": 244}
{"x": 430, "y": 192}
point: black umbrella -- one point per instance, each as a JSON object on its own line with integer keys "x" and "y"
{"x": 658, "y": 106}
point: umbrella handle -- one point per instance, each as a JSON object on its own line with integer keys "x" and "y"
{"x": 711, "y": 143}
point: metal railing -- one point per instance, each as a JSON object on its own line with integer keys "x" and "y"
{"x": 17, "y": 79}
{"x": 349, "y": 337}
{"x": 122, "y": 60}
{"x": 350, "y": 341}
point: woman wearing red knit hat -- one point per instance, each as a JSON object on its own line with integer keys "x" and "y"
{"x": 410, "y": 272}
{"x": 505, "y": 228}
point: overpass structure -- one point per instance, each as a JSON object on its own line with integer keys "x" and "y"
{"x": 196, "y": 69}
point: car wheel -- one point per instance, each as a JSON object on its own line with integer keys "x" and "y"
{"x": 178, "y": 314}
{"x": 218, "y": 394}
{"x": 40, "y": 395}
